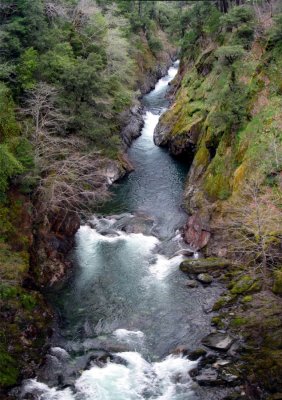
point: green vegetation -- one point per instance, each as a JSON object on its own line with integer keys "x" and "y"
{"x": 277, "y": 284}
{"x": 232, "y": 71}
{"x": 68, "y": 70}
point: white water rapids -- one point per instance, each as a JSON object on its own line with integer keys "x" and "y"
{"x": 127, "y": 290}
{"x": 165, "y": 380}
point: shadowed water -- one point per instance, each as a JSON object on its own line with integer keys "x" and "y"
{"x": 155, "y": 187}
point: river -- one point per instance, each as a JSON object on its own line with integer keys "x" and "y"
{"x": 127, "y": 304}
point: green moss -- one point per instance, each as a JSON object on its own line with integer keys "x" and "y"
{"x": 238, "y": 322}
{"x": 223, "y": 301}
{"x": 28, "y": 301}
{"x": 202, "y": 157}
{"x": 266, "y": 365}
{"x": 8, "y": 369}
{"x": 247, "y": 299}
{"x": 277, "y": 284}
{"x": 217, "y": 321}
{"x": 245, "y": 284}
{"x": 204, "y": 265}
{"x": 217, "y": 186}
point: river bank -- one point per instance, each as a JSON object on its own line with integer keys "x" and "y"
{"x": 127, "y": 291}
{"x": 40, "y": 258}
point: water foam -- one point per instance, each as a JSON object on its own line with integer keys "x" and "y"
{"x": 150, "y": 122}
{"x": 163, "y": 82}
{"x": 124, "y": 334}
{"x": 137, "y": 380}
{"x": 163, "y": 266}
{"x": 88, "y": 236}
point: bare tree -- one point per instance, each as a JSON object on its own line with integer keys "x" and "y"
{"x": 253, "y": 226}
{"x": 72, "y": 174}
{"x": 73, "y": 183}
{"x": 40, "y": 104}
{"x": 48, "y": 120}
{"x": 83, "y": 11}
{"x": 56, "y": 8}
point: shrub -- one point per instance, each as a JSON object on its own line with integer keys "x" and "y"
{"x": 9, "y": 166}
{"x": 245, "y": 35}
{"x": 236, "y": 17}
{"x": 229, "y": 54}
{"x": 155, "y": 44}
{"x": 275, "y": 36}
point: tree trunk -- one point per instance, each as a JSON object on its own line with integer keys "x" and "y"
{"x": 140, "y": 8}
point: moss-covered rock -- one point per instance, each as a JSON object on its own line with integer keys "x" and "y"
{"x": 224, "y": 301}
{"x": 205, "y": 278}
{"x": 246, "y": 284}
{"x": 204, "y": 265}
{"x": 238, "y": 322}
{"x": 247, "y": 299}
{"x": 217, "y": 321}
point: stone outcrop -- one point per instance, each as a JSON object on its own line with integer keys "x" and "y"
{"x": 196, "y": 232}
{"x": 182, "y": 144}
{"x": 132, "y": 122}
{"x": 53, "y": 241}
{"x": 218, "y": 341}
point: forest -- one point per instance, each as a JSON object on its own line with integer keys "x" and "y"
{"x": 73, "y": 74}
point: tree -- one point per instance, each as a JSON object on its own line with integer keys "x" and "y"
{"x": 253, "y": 225}
{"x": 28, "y": 64}
{"x": 8, "y": 124}
{"x": 40, "y": 105}
{"x": 229, "y": 54}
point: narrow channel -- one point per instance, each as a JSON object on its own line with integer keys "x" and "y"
{"x": 127, "y": 305}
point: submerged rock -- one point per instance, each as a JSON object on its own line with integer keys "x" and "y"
{"x": 191, "y": 283}
{"x": 218, "y": 341}
{"x": 102, "y": 357}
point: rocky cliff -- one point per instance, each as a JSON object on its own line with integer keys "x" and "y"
{"x": 225, "y": 120}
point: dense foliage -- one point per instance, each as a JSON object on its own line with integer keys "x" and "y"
{"x": 68, "y": 69}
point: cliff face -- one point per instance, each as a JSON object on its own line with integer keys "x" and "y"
{"x": 24, "y": 314}
{"x": 226, "y": 122}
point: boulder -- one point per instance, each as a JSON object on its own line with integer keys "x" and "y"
{"x": 191, "y": 283}
{"x": 205, "y": 278}
{"x": 230, "y": 376}
{"x": 193, "y": 355}
{"x": 218, "y": 341}
{"x": 196, "y": 233}
{"x": 208, "y": 377}
{"x": 214, "y": 377}
{"x": 245, "y": 284}
{"x": 196, "y": 354}
{"x": 208, "y": 359}
{"x": 101, "y": 357}
{"x": 181, "y": 349}
{"x": 132, "y": 121}
{"x": 203, "y": 265}
{"x": 139, "y": 224}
